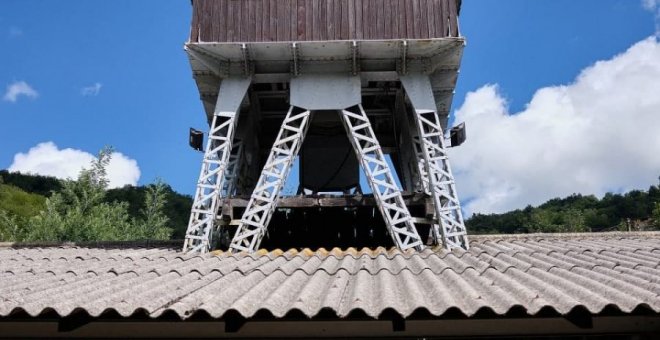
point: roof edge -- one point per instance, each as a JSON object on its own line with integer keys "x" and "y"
{"x": 175, "y": 244}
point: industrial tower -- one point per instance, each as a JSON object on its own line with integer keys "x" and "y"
{"x": 344, "y": 84}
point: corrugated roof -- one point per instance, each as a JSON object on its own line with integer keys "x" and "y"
{"x": 499, "y": 273}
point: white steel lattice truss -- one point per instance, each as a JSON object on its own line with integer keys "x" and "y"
{"x": 262, "y": 203}
{"x": 209, "y": 186}
{"x": 419, "y": 174}
{"x": 419, "y": 183}
{"x": 429, "y": 145}
{"x": 421, "y": 163}
{"x": 424, "y": 179}
{"x": 233, "y": 168}
{"x": 380, "y": 178}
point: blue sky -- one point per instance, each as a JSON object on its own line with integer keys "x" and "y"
{"x": 114, "y": 72}
{"x": 523, "y": 45}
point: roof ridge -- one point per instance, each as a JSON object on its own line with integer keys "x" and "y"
{"x": 473, "y": 238}
{"x": 584, "y": 235}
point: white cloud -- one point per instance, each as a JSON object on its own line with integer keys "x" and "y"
{"x": 650, "y": 5}
{"x": 92, "y": 90}
{"x": 47, "y": 160}
{"x": 598, "y": 134}
{"x": 17, "y": 89}
{"x": 653, "y": 6}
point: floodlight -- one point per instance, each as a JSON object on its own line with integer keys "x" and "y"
{"x": 457, "y": 134}
{"x": 196, "y": 139}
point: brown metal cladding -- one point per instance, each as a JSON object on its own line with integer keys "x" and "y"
{"x": 314, "y": 20}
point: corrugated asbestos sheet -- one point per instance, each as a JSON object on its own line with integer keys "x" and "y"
{"x": 499, "y": 273}
{"x": 315, "y": 20}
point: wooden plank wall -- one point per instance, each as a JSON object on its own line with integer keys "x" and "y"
{"x": 314, "y": 20}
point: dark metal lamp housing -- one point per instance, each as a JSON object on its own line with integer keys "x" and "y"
{"x": 457, "y": 134}
{"x": 196, "y": 139}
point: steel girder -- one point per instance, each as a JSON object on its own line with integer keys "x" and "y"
{"x": 441, "y": 180}
{"x": 222, "y": 163}
{"x": 233, "y": 167}
{"x": 216, "y": 160}
{"x": 412, "y": 144}
{"x": 262, "y": 202}
{"x": 437, "y": 172}
{"x": 388, "y": 196}
{"x": 418, "y": 146}
{"x": 209, "y": 186}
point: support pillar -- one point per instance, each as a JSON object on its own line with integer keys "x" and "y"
{"x": 233, "y": 167}
{"x": 325, "y": 92}
{"x": 262, "y": 203}
{"x": 408, "y": 145}
{"x": 216, "y": 159}
{"x": 413, "y": 145}
{"x": 388, "y": 197}
{"x": 436, "y": 163}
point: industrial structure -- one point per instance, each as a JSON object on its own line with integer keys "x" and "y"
{"x": 340, "y": 84}
{"x": 343, "y": 85}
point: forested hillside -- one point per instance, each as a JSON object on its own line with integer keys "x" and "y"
{"x": 42, "y": 208}
{"x": 35, "y": 189}
{"x": 38, "y": 208}
{"x": 634, "y": 210}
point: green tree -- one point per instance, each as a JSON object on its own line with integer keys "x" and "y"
{"x": 78, "y": 212}
{"x": 543, "y": 221}
{"x": 574, "y": 221}
{"x": 549, "y": 221}
{"x": 11, "y": 228}
{"x": 154, "y": 223}
{"x": 595, "y": 219}
{"x": 176, "y": 208}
